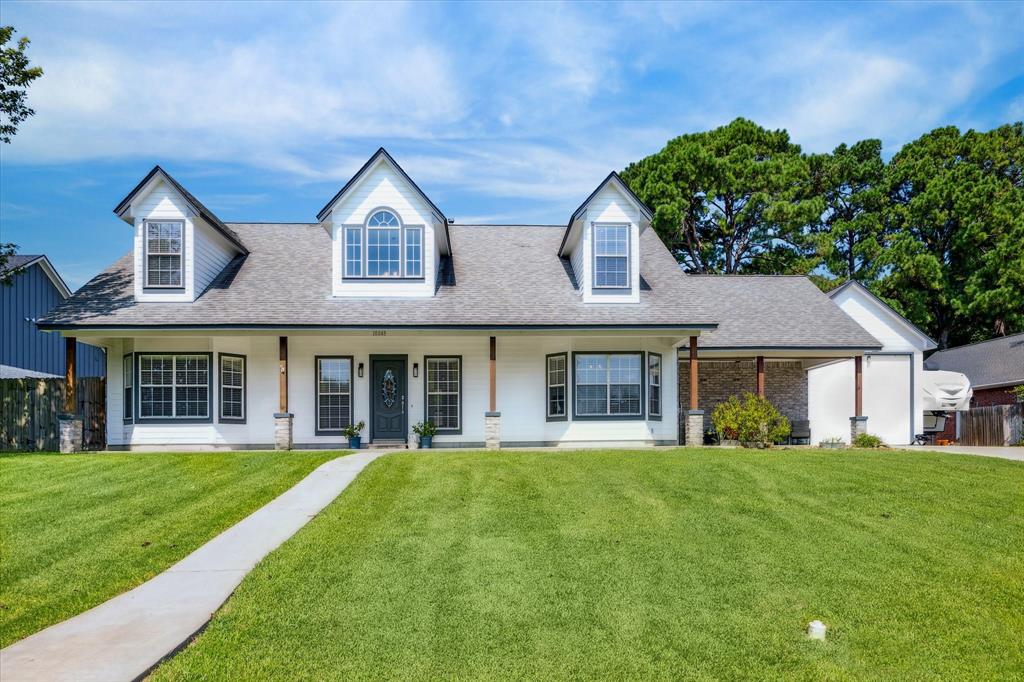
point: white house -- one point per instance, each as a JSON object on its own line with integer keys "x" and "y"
{"x": 248, "y": 335}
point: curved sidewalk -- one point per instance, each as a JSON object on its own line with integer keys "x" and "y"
{"x": 125, "y": 637}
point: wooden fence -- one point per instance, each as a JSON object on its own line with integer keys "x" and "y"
{"x": 995, "y": 425}
{"x": 30, "y": 408}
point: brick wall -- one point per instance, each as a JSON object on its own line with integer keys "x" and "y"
{"x": 785, "y": 385}
{"x": 986, "y": 397}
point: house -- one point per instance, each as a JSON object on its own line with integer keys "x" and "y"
{"x": 386, "y": 311}
{"x": 26, "y": 352}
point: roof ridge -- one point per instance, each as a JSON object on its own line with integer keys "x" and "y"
{"x": 978, "y": 343}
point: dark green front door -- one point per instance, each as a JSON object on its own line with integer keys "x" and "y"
{"x": 388, "y": 395}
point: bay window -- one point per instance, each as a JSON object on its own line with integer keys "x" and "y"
{"x": 608, "y": 385}
{"x": 174, "y": 386}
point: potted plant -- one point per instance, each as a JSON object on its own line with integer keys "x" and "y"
{"x": 425, "y": 430}
{"x": 832, "y": 443}
{"x": 351, "y": 432}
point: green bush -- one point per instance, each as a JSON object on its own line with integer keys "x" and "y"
{"x": 867, "y": 440}
{"x": 752, "y": 421}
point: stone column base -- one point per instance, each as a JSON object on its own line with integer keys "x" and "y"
{"x": 492, "y": 430}
{"x": 858, "y": 425}
{"x": 283, "y": 430}
{"x": 71, "y": 428}
{"x": 694, "y": 433}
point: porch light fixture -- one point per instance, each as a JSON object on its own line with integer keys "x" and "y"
{"x": 415, "y": 369}
{"x": 360, "y": 370}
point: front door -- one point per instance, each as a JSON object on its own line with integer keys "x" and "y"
{"x": 388, "y": 393}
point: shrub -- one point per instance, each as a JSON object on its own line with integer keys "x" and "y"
{"x": 754, "y": 420}
{"x": 352, "y": 430}
{"x": 867, "y": 440}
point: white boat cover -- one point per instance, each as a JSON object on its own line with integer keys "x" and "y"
{"x": 946, "y": 391}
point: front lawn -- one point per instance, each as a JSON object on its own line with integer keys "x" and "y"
{"x": 76, "y": 530}
{"x": 625, "y": 565}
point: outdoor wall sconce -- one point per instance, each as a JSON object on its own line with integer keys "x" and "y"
{"x": 415, "y": 369}
{"x": 360, "y": 370}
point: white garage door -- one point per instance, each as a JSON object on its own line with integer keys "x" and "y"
{"x": 887, "y": 397}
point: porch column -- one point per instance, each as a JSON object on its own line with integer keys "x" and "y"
{"x": 694, "y": 432}
{"x": 858, "y": 422}
{"x": 492, "y": 418}
{"x": 760, "y": 376}
{"x": 70, "y": 424}
{"x": 283, "y": 418}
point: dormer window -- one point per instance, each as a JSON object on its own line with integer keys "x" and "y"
{"x": 383, "y": 248}
{"x": 164, "y": 246}
{"x": 611, "y": 256}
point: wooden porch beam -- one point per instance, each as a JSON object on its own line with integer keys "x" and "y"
{"x": 760, "y": 376}
{"x": 283, "y": 386}
{"x": 694, "y": 396}
{"x": 858, "y": 381}
{"x": 494, "y": 376}
{"x": 70, "y": 375}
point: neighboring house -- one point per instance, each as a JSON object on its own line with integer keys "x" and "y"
{"x": 25, "y": 351}
{"x": 995, "y": 367}
{"x": 386, "y": 311}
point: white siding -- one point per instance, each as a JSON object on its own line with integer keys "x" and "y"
{"x": 608, "y": 206}
{"x": 520, "y": 375}
{"x": 383, "y": 187}
{"x": 206, "y": 252}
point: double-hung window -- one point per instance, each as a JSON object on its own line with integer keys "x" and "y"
{"x": 164, "y": 248}
{"x": 232, "y": 387}
{"x": 444, "y": 392}
{"x": 557, "y": 372}
{"x": 608, "y": 385}
{"x": 383, "y": 245}
{"x": 333, "y": 394}
{"x": 611, "y": 256}
{"x": 654, "y": 385}
{"x": 128, "y": 375}
{"x": 353, "y": 252}
{"x": 173, "y": 386}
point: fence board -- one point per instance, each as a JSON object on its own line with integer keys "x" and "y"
{"x": 996, "y": 425}
{"x": 30, "y": 409}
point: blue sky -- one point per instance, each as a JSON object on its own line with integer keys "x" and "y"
{"x": 502, "y": 113}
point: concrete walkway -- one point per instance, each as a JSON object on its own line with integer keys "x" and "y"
{"x": 1014, "y": 453}
{"x": 125, "y": 637}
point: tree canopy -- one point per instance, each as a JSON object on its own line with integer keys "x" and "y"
{"x": 937, "y": 231}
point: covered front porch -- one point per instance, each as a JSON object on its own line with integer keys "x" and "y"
{"x": 708, "y": 377}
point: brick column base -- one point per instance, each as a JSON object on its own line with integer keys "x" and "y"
{"x": 283, "y": 430}
{"x": 71, "y": 428}
{"x": 694, "y": 432}
{"x": 858, "y": 425}
{"x": 492, "y": 430}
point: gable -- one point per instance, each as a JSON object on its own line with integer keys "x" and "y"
{"x": 614, "y": 201}
{"x": 879, "y": 319}
{"x": 381, "y": 186}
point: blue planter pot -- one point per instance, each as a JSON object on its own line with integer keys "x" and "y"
{"x": 355, "y": 442}
{"x": 426, "y": 441}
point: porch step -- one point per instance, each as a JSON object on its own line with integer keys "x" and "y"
{"x": 387, "y": 444}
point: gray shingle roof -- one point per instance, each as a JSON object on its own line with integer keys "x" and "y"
{"x": 16, "y": 261}
{"x": 765, "y": 311}
{"x": 996, "y": 362}
{"x": 505, "y": 276}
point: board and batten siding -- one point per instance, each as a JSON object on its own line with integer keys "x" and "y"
{"x": 521, "y": 377}
{"x": 31, "y": 296}
{"x": 383, "y": 187}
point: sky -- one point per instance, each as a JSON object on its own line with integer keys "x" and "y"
{"x": 502, "y": 113}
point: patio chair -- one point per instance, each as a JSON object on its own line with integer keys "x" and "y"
{"x": 800, "y": 432}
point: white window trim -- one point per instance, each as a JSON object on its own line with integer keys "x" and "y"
{"x": 397, "y": 228}
{"x": 344, "y": 250}
{"x": 146, "y": 253}
{"x": 629, "y": 260}
{"x": 405, "y": 251}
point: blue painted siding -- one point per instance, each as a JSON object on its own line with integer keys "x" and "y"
{"x": 31, "y": 296}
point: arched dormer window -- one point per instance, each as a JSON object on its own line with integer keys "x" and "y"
{"x": 391, "y": 249}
